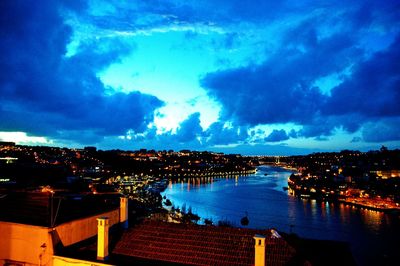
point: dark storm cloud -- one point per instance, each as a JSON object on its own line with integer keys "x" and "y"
{"x": 382, "y": 130}
{"x": 325, "y": 125}
{"x": 282, "y": 88}
{"x": 142, "y": 15}
{"x": 330, "y": 37}
{"x": 254, "y": 10}
{"x": 277, "y": 135}
{"x": 44, "y": 92}
{"x": 189, "y": 135}
{"x": 189, "y": 129}
{"x": 220, "y": 12}
{"x": 218, "y": 134}
{"x": 373, "y": 90}
{"x": 370, "y": 96}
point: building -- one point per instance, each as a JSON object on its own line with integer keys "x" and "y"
{"x": 31, "y": 234}
{"x": 103, "y": 238}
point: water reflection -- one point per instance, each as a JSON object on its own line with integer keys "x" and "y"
{"x": 372, "y": 218}
{"x": 197, "y": 181}
{"x": 268, "y": 205}
{"x": 344, "y": 213}
{"x": 313, "y": 207}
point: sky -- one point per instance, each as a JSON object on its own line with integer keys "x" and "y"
{"x": 252, "y": 77}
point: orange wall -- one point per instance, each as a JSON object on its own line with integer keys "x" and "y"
{"x": 19, "y": 242}
{"x": 78, "y": 230}
{"x": 22, "y": 243}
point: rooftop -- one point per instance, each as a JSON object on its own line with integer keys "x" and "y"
{"x": 200, "y": 245}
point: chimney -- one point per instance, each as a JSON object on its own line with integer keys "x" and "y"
{"x": 123, "y": 212}
{"x": 259, "y": 249}
{"x": 102, "y": 238}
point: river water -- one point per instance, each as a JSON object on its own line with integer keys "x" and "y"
{"x": 374, "y": 237}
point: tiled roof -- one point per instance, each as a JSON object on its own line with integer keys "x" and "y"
{"x": 200, "y": 245}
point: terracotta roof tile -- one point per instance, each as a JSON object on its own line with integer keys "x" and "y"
{"x": 200, "y": 245}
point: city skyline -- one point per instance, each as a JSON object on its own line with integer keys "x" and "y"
{"x": 253, "y": 78}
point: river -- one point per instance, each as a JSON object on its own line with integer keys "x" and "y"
{"x": 373, "y": 236}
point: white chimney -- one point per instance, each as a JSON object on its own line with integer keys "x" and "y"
{"x": 259, "y": 249}
{"x": 102, "y": 238}
{"x": 123, "y": 212}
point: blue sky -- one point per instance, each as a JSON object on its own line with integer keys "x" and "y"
{"x": 250, "y": 77}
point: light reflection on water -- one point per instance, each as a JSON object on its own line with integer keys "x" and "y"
{"x": 373, "y": 219}
{"x": 371, "y": 234}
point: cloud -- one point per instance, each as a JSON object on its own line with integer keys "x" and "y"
{"x": 44, "y": 92}
{"x": 51, "y": 56}
{"x": 190, "y": 135}
{"x": 189, "y": 129}
{"x": 277, "y": 136}
{"x": 382, "y": 131}
{"x": 282, "y": 88}
{"x": 315, "y": 40}
{"x": 113, "y": 18}
{"x": 356, "y": 139}
{"x": 373, "y": 88}
{"x": 219, "y": 134}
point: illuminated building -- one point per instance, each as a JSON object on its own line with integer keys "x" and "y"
{"x": 26, "y": 240}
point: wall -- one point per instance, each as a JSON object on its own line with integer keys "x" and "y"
{"x": 78, "y": 230}
{"x": 63, "y": 261}
{"x": 22, "y": 243}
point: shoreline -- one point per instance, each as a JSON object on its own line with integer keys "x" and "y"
{"x": 351, "y": 201}
{"x": 360, "y": 205}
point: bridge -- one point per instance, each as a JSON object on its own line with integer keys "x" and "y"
{"x": 8, "y": 159}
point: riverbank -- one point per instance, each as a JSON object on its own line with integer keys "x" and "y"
{"x": 362, "y": 203}
{"x": 212, "y": 174}
{"x": 180, "y": 213}
{"x": 333, "y": 191}
{"x": 373, "y": 236}
{"x": 372, "y": 204}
